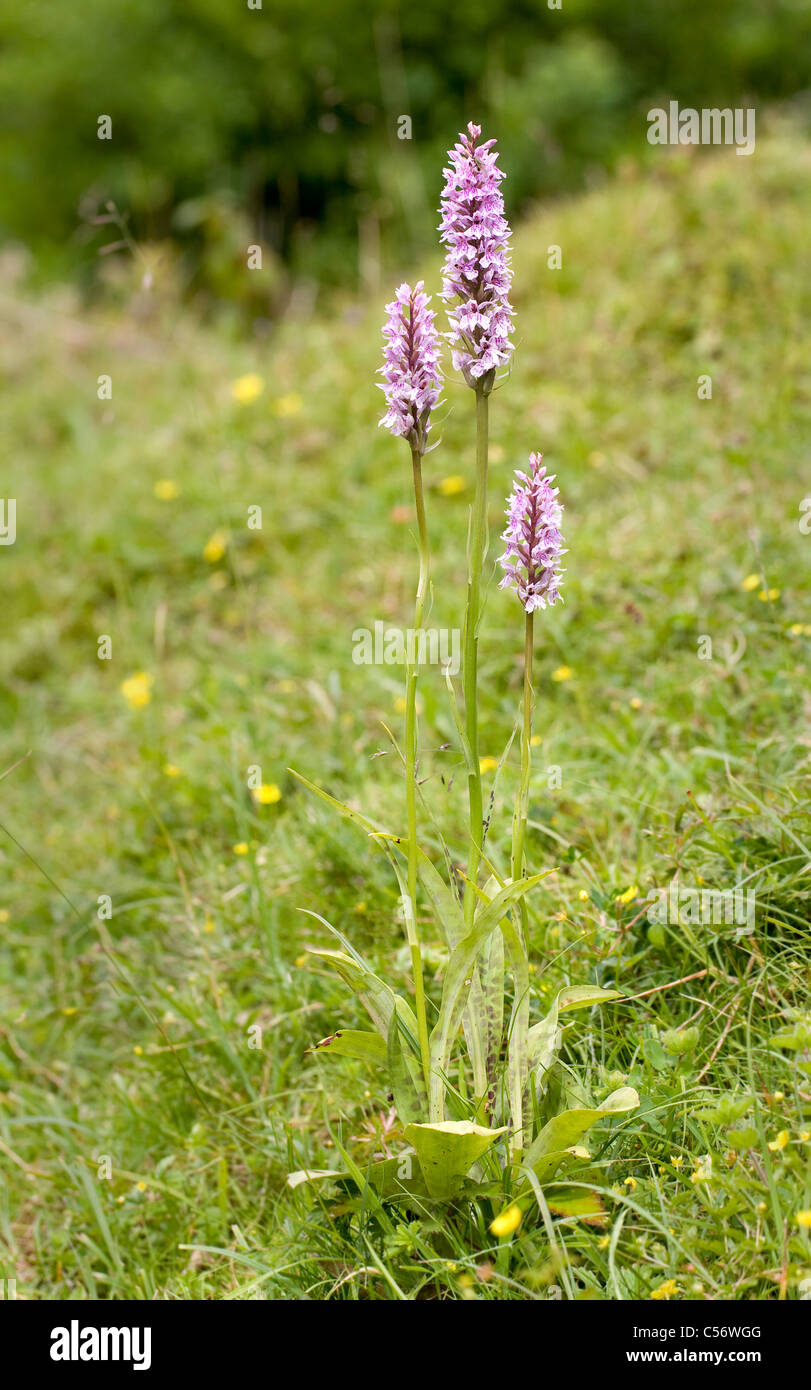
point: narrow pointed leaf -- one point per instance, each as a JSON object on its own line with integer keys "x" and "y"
{"x": 456, "y": 984}
{"x": 375, "y": 996}
{"x": 544, "y": 1038}
{"x": 409, "y": 1095}
{"x": 562, "y": 1132}
{"x": 353, "y": 1042}
{"x": 583, "y": 996}
{"x": 311, "y": 1175}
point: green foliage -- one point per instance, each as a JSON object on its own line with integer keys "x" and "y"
{"x": 233, "y": 125}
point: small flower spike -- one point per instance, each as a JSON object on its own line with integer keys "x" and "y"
{"x": 411, "y": 371}
{"x": 531, "y": 562}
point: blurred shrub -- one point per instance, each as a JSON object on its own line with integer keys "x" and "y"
{"x": 278, "y": 126}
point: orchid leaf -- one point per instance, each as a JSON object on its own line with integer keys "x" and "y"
{"x": 544, "y": 1038}
{"x": 491, "y": 974}
{"x": 457, "y": 981}
{"x": 484, "y": 1013}
{"x": 398, "y": 1177}
{"x": 353, "y": 1042}
{"x": 583, "y": 996}
{"x": 311, "y": 1175}
{"x": 347, "y": 812}
{"x": 447, "y": 1151}
{"x": 563, "y": 1131}
{"x": 444, "y": 902}
{"x": 404, "y": 1074}
{"x": 393, "y": 1179}
{"x": 376, "y": 996}
{"x": 573, "y": 1201}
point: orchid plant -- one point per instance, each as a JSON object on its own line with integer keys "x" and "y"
{"x": 474, "y": 1082}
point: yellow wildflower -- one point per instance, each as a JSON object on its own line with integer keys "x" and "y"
{"x": 780, "y": 1141}
{"x": 166, "y": 490}
{"x": 635, "y": 702}
{"x": 451, "y": 487}
{"x": 507, "y": 1222}
{"x": 137, "y": 689}
{"x": 266, "y": 795}
{"x": 676, "y": 1160}
{"x": 666, "y": 1290}
{"x": 629, "y": 894}
{"x": 768, "y": 595}
{"x": 562, "y": 673}
{"x": 488, "y": 764}
{"x": 803, "y": 1218}
{"x": 171, "y": 770}
{"x": 631, "y": 1183}
{"x": 241, "y": 848}
{"x": 214, "y": 548}
{"x": 750, "y": 582}
{"x": 246, "y": 389}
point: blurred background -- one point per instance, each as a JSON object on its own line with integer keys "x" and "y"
{"x": 279, "y": 126}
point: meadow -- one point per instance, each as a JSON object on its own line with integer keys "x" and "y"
{"x": 157, "y": 1083}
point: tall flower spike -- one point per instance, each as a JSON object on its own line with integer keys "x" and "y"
{"x": 477, "y": 269}
{"x": 531, "y": 562}
{"x": 411, "y": 371}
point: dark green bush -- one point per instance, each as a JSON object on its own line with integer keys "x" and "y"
{"x": 233, "y": 124}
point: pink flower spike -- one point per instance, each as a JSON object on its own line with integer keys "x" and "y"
{"x": 531, "y": 562}
{"x": 477, "y": 270}
{"x": 411, "y": 370}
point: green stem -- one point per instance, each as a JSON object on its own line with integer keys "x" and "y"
{"x": 476, "y": 558}
{"x": 411, "y": 770}
{"x": 522, "y": 800}
{"x": 516, "y": 1061}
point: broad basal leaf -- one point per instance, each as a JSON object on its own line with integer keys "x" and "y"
{"x": 447, "y": 1151}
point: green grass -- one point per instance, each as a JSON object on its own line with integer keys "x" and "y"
{"x": 130, "y": 1037}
